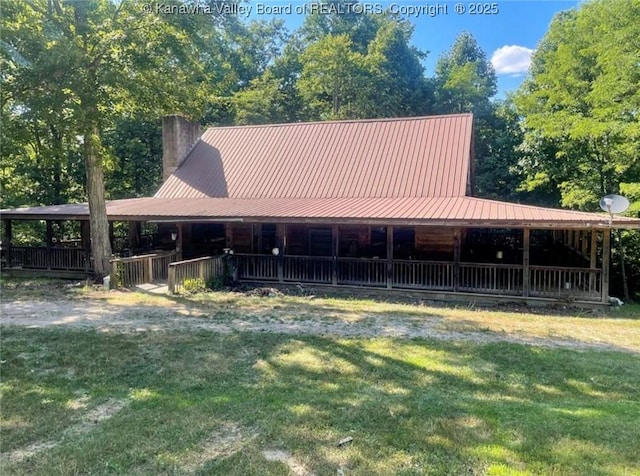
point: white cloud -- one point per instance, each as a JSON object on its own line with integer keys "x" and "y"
{"x": 511, "y": 59}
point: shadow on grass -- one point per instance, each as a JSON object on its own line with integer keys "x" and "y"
{"x": 411, "y": 406}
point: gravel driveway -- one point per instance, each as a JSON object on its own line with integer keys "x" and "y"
{"x": 108, "y": 317}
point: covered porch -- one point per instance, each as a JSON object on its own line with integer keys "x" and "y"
{"x": 458, "y": 246}
{"x": 569, "y": 265}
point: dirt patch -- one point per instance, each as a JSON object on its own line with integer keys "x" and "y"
{"x": 295, "y": 466}
{"x": 89, "y": 420}
{"x": 264, "y": 317}
{"x": 16, "y": 456}
{"x": 227, "y": 440}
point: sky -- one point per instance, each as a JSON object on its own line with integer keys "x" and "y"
{"x": 508, "y": 31}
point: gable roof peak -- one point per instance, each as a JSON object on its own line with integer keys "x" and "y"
{"x": 427, "y": 156}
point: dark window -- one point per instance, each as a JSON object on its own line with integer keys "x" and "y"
{"x": 404, "y": 242}
{"x": 320, "y": 242}
{"x": 268, "y": 238}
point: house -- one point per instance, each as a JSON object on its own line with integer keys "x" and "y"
{"x": 383, "y": 203}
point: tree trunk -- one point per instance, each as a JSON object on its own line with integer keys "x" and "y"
{"x": 98, "y": 222}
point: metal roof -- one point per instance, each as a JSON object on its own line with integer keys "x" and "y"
{"x": 443, "y": 211}
{"x": 394, "y": 171}
{"x": 411, "y": 157}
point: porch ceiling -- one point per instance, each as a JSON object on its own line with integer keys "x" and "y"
{"x": 440, "y": 211}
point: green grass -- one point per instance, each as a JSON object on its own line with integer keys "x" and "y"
{"x": 205, "y": 403}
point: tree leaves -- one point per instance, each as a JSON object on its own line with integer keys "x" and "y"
{"x": 582, "y": 100}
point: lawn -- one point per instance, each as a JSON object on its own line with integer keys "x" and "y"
{"x": 247, "y": 403}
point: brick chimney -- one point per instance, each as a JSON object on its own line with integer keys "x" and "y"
{"x": 178, "y": 136}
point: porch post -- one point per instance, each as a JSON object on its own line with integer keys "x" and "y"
{"x": 593, "y": 256}
{"x": 228, "y": 235}
{"x": 606, "y": 255}
{"x": 456, "y": 259}
{"x": 334, "y": 252}
{"x": 85, "y": 237}
{"x": 389, "y": 257}
{"x": 282, "y": 242}
{"x": 526, "y": 275}
{"x": 7, "y": 242}
{"x": 572, "y": 258}
{"x": 49, "y": 242}
{"x": 583, "y": 236}
{"x": 134, "y": 235}
{"x": 179, "y": 241}
{"x": 112, "y": 237}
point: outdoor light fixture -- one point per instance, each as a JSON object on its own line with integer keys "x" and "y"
{"x": 275, "y": 251}
{"x": 499, "y": 255}
{"x": 174, "y": 235}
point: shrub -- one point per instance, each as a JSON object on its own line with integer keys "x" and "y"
{"x": 217, "y": 282}
{"x": 194, "y": 285}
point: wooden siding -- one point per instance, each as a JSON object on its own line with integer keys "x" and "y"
{"x": 434, "y": 242}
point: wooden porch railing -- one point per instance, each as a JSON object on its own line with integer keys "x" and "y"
{"x": 41, "y": 257}
{"x": 576, "y": 283}
{"x": 257, "y": 266}
{"x": 486, "y": 278}
{"x": 435, "y": 275}
{"x": 308, "y": 268}
{"x": 362, "y": 271}
{"x": 141, "y": 269}
{"x": 543, "y": 281}
{"x": 491, "y": 278}
{"x": 206, "y": 268}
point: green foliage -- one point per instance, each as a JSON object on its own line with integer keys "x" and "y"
{"x": 194, "y": 285}
{"x": 497, "y": 173}
{"x": 580, "y": 108}
{"x": 263, "y": 102}
{"x": 217, "y": 283}
{"x": 340, "y": 66}
{"x": 580, "y": 103}
{"x": 74, "y": 67}
{"x": 334, "y": 78}
{"x": 135, "y": 147}
{"x": 400, "y": 85}
{"x": 465, "y": 79}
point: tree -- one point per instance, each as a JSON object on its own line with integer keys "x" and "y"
{"x": 497, "y": 173}
{"x": 333, "y": 78}
{"x": 135, "y": 166}
{"x": 400, "y": 87}
{"x": 581, "y": 103}
{"x": 94, "y": 60}
{"x": 358, "y": 65}
{"x": 263, "y": 102}
{"x": 341, "y": 17}
{"x": 465, "y": 81}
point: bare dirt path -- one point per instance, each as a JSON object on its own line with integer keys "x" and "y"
{"x": 109, "y": 317}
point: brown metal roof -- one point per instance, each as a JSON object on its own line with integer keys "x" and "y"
{"x": 446, "y": 211}
{"x": 394, "y": 171}
{"x": 391, "y": 158}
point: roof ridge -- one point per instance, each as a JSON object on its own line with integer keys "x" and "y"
{"x": 341, "y": 121}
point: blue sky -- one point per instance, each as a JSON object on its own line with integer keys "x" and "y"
{"x": 507, "y": 37}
